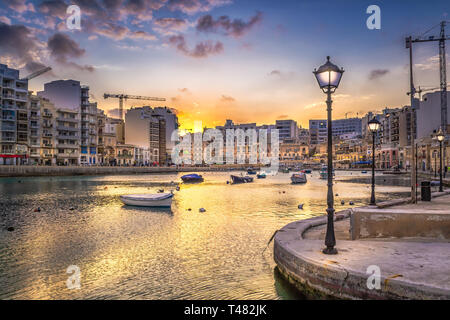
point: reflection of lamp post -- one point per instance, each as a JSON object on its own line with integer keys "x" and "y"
{"x": 328, "y": 76}
{"x": 374, "y": 126}
{"x": 440, "y": 136}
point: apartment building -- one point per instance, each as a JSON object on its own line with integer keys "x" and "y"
{"x": 68, "y": 137}
{"x": 14, "y": 117}
{"x": 318, "y": 131}
{"x": 145, "y": 129}
{"x": 287, "y": 129}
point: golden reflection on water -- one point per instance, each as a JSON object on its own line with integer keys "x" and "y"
{"x": 142, "y": 253}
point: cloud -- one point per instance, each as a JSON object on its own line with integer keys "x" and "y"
{"x": 235, "y": 28}
{"x": 184, "y": 90}
{"x": 275, "y": 73}
{"x": 377, "y": 73}
{"x": 282, "y": 116}
{"x": 63, "y": 48}
{"x": 5, "y": 20}
{"x": 169, "y": 26}
{"x": 201, "y": 50}
{"x": 18, "y": 43}
{"x": 194, "y": 6}
{"x": 55, "y": 8}
{"x": 226, "y": 98}
{"x": 20, "y": 6}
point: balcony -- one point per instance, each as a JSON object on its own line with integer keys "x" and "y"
{"x": 47, "y": 114}
{"x": 68, "y": 155}
{"x": 65, "y": 119}
{"x": 64, "y": 128}
{"x": 8, "y": 128}
{"x": 8, "y": 139}
{"x": 47, "y": 145}
{"x": 48, "y": 134}
{"x": 9, "y": 118}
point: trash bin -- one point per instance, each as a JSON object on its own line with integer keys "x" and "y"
{"x": 425, "y": 190}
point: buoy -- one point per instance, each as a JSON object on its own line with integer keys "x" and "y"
{"x": 161, "y": 190}
{"x": 337, "y": 195}
{"x": 342, "y": 202}
{"x": 351, "y": 203}
{"x": 38, "y": 209}
{"x": 228, "y": 182}
{"x": 106, "y": 188}
{"x": 10, "y": 229}
{"x": 300, "y": 206}
{"x": 284, "y": 191}
{"x": 71, "y": 208}
{"x": 202, "y": 210}
{"x": 189, "y": 209}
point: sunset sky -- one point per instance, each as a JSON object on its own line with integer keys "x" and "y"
{"x": 249, "y": 60}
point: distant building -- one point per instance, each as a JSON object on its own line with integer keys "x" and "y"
{"x": 145, "y": 129}
{"x": 344, "y": 126}
{"x": 288, "y": 129}
{"x": 429, "y": 114}
{"x": 318, "y": 131}
{"x": 14, "y": 138}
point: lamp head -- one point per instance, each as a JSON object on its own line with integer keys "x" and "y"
{"x": 328, "y": 76}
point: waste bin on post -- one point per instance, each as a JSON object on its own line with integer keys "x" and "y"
{"x": 425, "y": 190}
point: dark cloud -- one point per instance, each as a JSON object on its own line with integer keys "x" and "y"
{"x": 63, "y": 49}
{"x": 377, "y": 73}
{"x": 53, "y": 8}
{"x": 275, "y": 73}
{"x": 235, "y": 28}
{"x": 18, "y": 43}
{"x": 225, "y": 98}
{"x": 168, "y": 26}
{"x": 201, "y": 50}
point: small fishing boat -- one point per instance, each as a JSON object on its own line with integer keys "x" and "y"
{"x": 148, "y": 199}
{"x": 192, "y": 178}
{"x": 261, "y": 176}
{"x": 299, "y": 178}
{"x": 364, "y": 171}
{"x": 307, "y": 170}
{"x": 241, "y": 179}
{"x": 251, "y": 171}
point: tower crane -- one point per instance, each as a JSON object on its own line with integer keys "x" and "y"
{"x": 123, "y": 97}
{"x": 37, "y": 73}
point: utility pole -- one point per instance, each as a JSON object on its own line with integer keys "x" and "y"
{"x": 443, "y": 77}
{"x": 413, "y": 126}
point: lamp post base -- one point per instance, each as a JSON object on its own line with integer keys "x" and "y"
{"x": 330, "y": 250}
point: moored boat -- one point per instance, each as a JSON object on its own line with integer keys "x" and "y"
{"x": 148, "y": 199}
{"x": 251, "y": 171}
{"x": 324, "y": 173}
{"x": 241, "y": 179}
{"x": 192, "y": 178}
{"x": 299, "y": 178}
{"x": 261, "y": 176}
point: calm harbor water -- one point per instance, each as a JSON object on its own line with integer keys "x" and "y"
{"x": 141, "y": 253}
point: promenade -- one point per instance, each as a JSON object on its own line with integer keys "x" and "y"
{"x": 29, "y": 171}
{"x": 412, "y": 267}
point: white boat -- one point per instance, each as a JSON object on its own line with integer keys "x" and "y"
{"x": 299, "y": 178}
{"x": 148, "y": 199}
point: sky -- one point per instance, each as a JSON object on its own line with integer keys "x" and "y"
{"x": 245, "y": 60}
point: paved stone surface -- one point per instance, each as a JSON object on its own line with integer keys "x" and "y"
{"x": 412, "y": 268}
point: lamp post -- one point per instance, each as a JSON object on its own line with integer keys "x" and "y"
{"x": 374, "y": 126}
{"x": 440, "y": 136}
{"x": 328, "y": 77}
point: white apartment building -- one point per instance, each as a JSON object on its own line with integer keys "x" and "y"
{"x": 428, "y": 114}
{"x": 14, "y": 117}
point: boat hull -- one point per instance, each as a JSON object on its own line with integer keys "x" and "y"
{"x": 128, "y": 200}
{"x": 237, "y": 179}
{"x": 299, "y": 178}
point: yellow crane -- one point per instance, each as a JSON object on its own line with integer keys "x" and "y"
{"x": 123, "y": 97}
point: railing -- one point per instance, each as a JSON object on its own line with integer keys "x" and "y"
{"x": 8, "y": 139}
{"x": 8, "y": 128}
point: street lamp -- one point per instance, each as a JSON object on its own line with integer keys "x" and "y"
{"x": 440, "y": 136}
{"x": 328, "y": 77}
{"x": 374, "y": 126}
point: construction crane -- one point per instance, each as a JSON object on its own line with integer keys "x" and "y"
{"x": 420, "y": 90}
{"x": 123, "y": 97}
{"x": 443, "y": 86}
{"x": 442, "y": 66}
{"x": 37, "y": 73}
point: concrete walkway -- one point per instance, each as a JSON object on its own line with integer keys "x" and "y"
{"x": 411, "y": 268}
